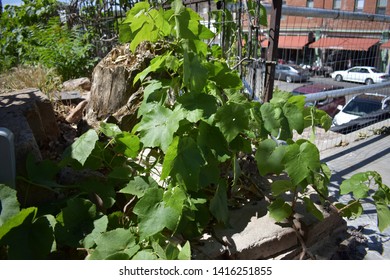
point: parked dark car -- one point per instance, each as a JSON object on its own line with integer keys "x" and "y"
{"x": 291, "y": 73}
{"x": 328, "y": 104}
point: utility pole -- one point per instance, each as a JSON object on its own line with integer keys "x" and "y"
{"x": 272, "y": 52}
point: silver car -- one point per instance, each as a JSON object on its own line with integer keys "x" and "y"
{"x": 291, "y": 73}
{"x": 361, "y": 74}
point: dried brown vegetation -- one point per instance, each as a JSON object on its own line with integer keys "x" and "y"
{"x": 46, "y": 80}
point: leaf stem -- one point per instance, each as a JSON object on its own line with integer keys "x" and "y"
{"x": 347, "y": 206}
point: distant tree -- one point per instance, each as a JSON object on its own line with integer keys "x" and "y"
{"x": 1, "y": 7}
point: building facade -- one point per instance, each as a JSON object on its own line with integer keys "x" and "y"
{"x": 340, "y": 43}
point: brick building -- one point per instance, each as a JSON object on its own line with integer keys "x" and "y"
{"x": 339, "y": 42}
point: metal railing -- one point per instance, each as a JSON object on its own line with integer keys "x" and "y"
{"x": 347, "y": 91}
{"x": 334, "y": 14}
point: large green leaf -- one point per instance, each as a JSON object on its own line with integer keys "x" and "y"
{"x": 156, "y": 63}
{"x": 75, "y": 221}
{"x": 300, "y": 160}
{"x": 194, "y": 73}
{"x": 281, "y": 186}
{"x": 27, "y": 237}
{"x": 195, "y": 218}
{"x": 41, "y": 239}
{"x": 210, "y": 138}
{"x": 159, "y": 251}
{"x": 357, "y": 184}
{"x": 294, "y": 117}
{"x": 280, "y": 98}
{"x": 152, "y": 87}
{"x": 269, "y": 157}
{"x": 9, "y": 204}
{"x": 198, "y": 105}
{"x": 218, "y": 204}
{"x": 263, "y": 15}
{"x": 137, "y": 10}
{"x": 145, "y": 25}
{"x": 24, "y": 216}
{"x": 183, "y": 161}
{"x": 188, "y": 24}
{"x": 185, "y": 252}
{"x": 110, "y": 129}
{"x": 198, "y": 47}
{"x": 121, "y": 173}
{"x": 82, "y": 147}
{"x": 139, "y": 185}
{"x": 119, "y": 243}
{"x": 175, "y": 198}
{"x": 100, "y": 226}
{"x": 383, "y": 213}
{"x": 42, "y": 173}
{"x": 352, "y": 210}
{"x": 101, "y": 190}
{"x": 210, "y": 173}
{"x": 279, "y": 210}
{"x": 146, "y": 254}
{"x": 322, "y": 180}
{"x": 223, "y": 76}
{"x": 183, "y": 18}
{"x": 271, "y": 118}
{"x": 311, "y": 208}
{"x": 153, "y": 214}
{"x": 157, "y": 128}
{"x": 232, "y": 119}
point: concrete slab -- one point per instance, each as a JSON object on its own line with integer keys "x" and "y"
{"x": 253, "y": 234}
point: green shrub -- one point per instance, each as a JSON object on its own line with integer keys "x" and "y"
{"x": 32, "y": 34}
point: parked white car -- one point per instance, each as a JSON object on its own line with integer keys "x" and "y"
{"x": 361, "y": 105}
{"x": 361, "y": 74}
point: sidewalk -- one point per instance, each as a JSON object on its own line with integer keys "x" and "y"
{"x": 371, "y": 154}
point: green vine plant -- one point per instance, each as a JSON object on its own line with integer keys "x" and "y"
{"x": 151, "y": 190}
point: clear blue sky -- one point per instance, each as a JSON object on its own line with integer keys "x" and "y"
{"x": 16, "y": 2}
{"x": 11, "y": 2}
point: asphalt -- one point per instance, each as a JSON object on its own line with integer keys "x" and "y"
{"x": 370, "y": 154}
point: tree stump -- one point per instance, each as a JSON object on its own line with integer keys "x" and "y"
{"x": 113, "y": 94}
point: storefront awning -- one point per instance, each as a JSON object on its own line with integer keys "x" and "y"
{"x": 292, "y": 42}
{"x": 352, "y": 44}
{"x": 289, "y": 42}
{"x": 386, "y": 45}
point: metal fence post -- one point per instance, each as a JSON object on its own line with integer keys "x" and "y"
{"x": 272, "y": 52}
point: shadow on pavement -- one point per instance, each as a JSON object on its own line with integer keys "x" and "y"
{"x": 365, "y": 240}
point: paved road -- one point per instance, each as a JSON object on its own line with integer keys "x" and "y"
{"x": 371, "y": 154}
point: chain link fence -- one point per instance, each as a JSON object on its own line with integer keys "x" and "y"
{"x": 313, "y": 44}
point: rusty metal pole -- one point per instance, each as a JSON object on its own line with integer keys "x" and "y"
{"x": 272, "y": 52}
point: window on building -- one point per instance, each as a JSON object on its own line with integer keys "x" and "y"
{"x": 359, "y": 5}
{"x": 336, "y": 4}
{"x": 381, "y": 6}
{"x": 310, "y": 3}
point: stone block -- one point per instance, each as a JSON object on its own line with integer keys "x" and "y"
{"x": 30, "y": 116}
{"x": 253, "y": 234}
{"x": 80, "y": 83}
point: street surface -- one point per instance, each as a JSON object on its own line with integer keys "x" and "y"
{"x": 371, "y": 154}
